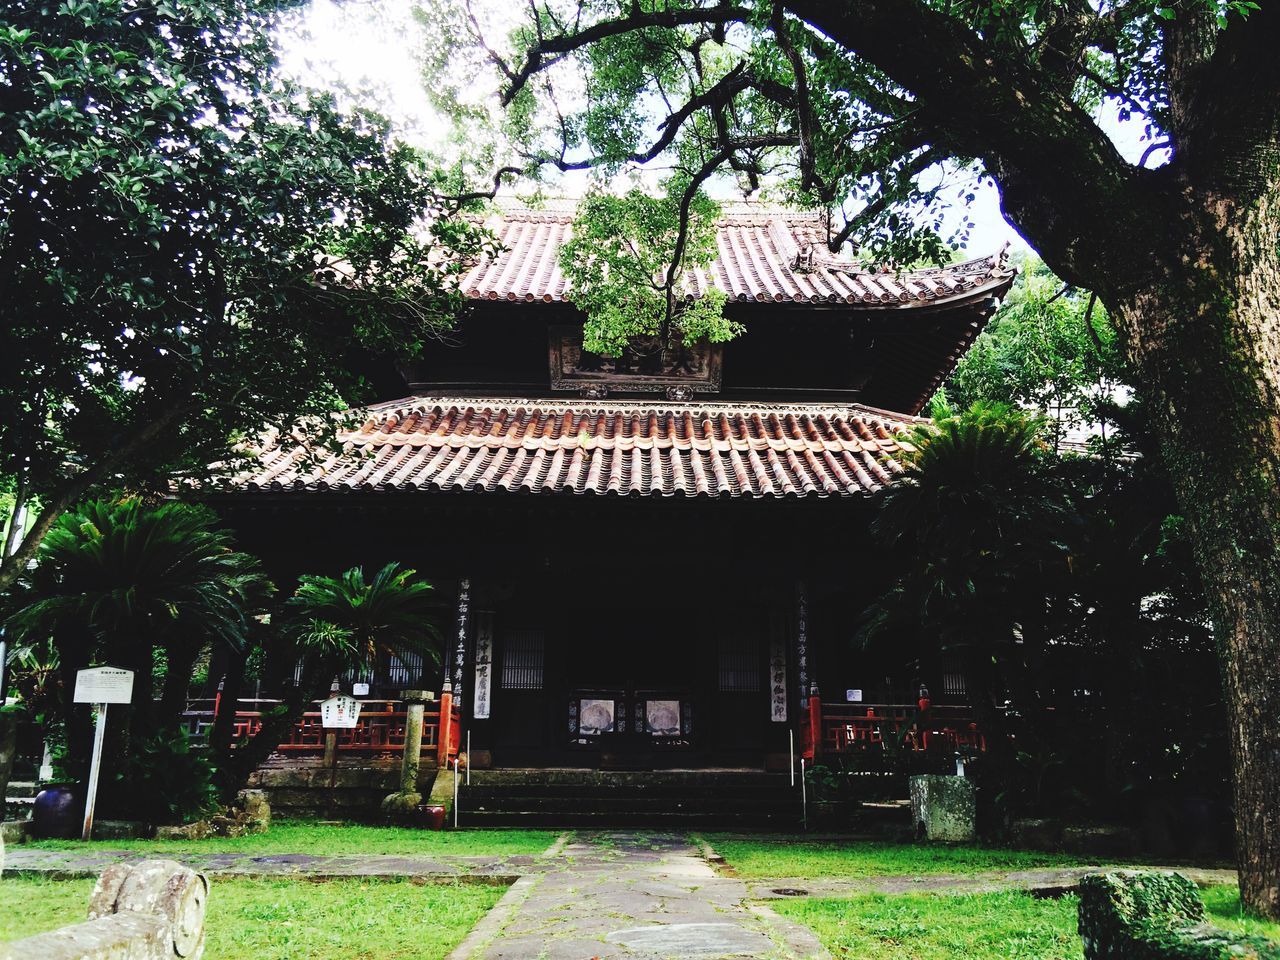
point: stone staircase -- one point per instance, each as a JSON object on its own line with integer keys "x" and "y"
{"x": 18, "y": 800}
{"x": 607, "y": 800}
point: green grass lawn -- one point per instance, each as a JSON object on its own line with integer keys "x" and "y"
{"x": 986, "y": 926}
{"x": 273, "y": 919}
{"x": 797, "y": 857}
{"x": 340, "y": 840}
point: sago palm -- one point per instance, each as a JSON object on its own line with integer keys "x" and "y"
{"x": 348, "y": 620}
{"x": 115, "y": 579}
{"x": 975, "y": 528}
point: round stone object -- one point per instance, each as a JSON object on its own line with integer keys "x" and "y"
{"x": 161, "y": 888}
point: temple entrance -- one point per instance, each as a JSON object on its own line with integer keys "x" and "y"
{"x": 659, "y": 687}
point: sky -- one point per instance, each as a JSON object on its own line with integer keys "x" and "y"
{"x": 370, "y": 46}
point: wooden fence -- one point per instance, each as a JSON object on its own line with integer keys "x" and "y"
{"x": 837, "y": 728}
{"x": 380, "y": 728}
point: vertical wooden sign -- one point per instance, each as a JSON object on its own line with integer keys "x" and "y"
{"x": 484, "y": 664}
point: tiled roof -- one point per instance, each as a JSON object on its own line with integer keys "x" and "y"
{"x": 537, "y": 446}
{"x": 766, "y": 255}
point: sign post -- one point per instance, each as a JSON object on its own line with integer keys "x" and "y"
{"x": 100, "y": 686}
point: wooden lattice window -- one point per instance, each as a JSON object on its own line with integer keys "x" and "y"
{"x": 523, "y": 657}
{"x": 740, "y": 667}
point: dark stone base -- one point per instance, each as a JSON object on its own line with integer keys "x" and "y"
{"x": 354, "y": 790}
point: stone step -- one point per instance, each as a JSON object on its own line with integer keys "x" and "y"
{"x": 473, "y": 800}
{"x": 613, "y": 820}
{"x": 779, "y": 793}
{"x": 716, "y": 779}
{"x": 21, "y": 790}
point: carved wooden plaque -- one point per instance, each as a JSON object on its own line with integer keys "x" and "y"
{"x": 644, "y": 367}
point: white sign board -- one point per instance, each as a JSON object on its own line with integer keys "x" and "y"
{"x": 360, "y": 689}
{"x": 340, "y": 711}
{"x": 484, "y": 664}
{"x": 853, "y": 696}
{"x": 104, "y": 685}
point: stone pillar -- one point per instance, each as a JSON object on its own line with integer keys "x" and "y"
{"x": 150, "y": 910}
{"x": 404, "y": 802}
{"x": 8, "y": 748}
{"x": 415, "y": 702}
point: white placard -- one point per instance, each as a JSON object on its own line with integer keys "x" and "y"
{"x": 104, "y": 685}
{"x": 777, "y": 676}
{"x": 853, "y": 696}
{"x": 359, "y": 689}
{"x": 484, "y": 664}
{"x": 341, "y": 711}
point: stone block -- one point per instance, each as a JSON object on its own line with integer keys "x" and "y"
{"x": 256, "y": 809}
{"x": 120, "y": 830}
{"x": 943, "y": 808}
{"x": 401, "y": 807}
{"x": 185, "y": 831}
{"x": 14, "y": 832}
{"x": 1132, "y": 915}
{"x": 1036, "y": 834}
{"x": 1100, "y": 840}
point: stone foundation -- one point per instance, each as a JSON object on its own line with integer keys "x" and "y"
{"x": 306, "y": 789}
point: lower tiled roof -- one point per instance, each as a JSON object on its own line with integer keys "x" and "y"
{"x": 549, "y": 446}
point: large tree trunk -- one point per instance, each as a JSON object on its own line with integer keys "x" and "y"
{"x": 1206, "y": 343}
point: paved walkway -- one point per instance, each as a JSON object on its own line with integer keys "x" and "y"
{"x": 90, "y": 863}
{"x": 601, "y": 896}
{"x": 637, "y": 896}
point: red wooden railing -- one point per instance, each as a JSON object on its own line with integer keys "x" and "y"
{"x": 379, "y": 729}
{"x": 850, "y": 727}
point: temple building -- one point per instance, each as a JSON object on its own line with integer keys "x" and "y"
{"x": 649, "y": 561}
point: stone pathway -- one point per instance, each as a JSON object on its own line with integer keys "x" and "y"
{"x": 90, "y": 863}
{"x": 641, "y": 896}
{"x": 602, "y": 896}
{"x": 1046, "y": 881}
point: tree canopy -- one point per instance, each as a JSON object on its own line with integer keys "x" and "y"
{"x": 866, "y": 108}
{"x": 192, "y": 248}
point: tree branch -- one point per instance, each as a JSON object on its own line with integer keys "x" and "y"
{"x": 1046, "y": 151}
{"x": 536, "y": 57}
{"x": 888, "y": 194}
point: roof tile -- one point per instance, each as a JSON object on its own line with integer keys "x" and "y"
{"x": 758, "y": 261}
{"x": 721, "y": 450}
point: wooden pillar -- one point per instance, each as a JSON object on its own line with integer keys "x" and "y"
{"x": 814, "y": 717}
{"x": 444, "y": 735}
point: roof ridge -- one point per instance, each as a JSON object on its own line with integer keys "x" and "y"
{"x": 563, "y": 404}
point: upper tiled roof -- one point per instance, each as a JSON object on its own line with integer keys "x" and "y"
{"x": 538, "y": 446}
{"x": 766, "y": 255}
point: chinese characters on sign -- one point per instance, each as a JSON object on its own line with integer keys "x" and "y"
{"x": 778, "y": 677}
{"x": 484, "y": 663}
{"x": 340, "y": 711}
{"x": 104, "y": 685}
{"x": 460, "y": 651}
{"x": 802, "y": 641}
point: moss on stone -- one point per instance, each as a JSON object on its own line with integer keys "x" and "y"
{"x": 1130, "y": 915}
{"x": 943, "y": 808}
